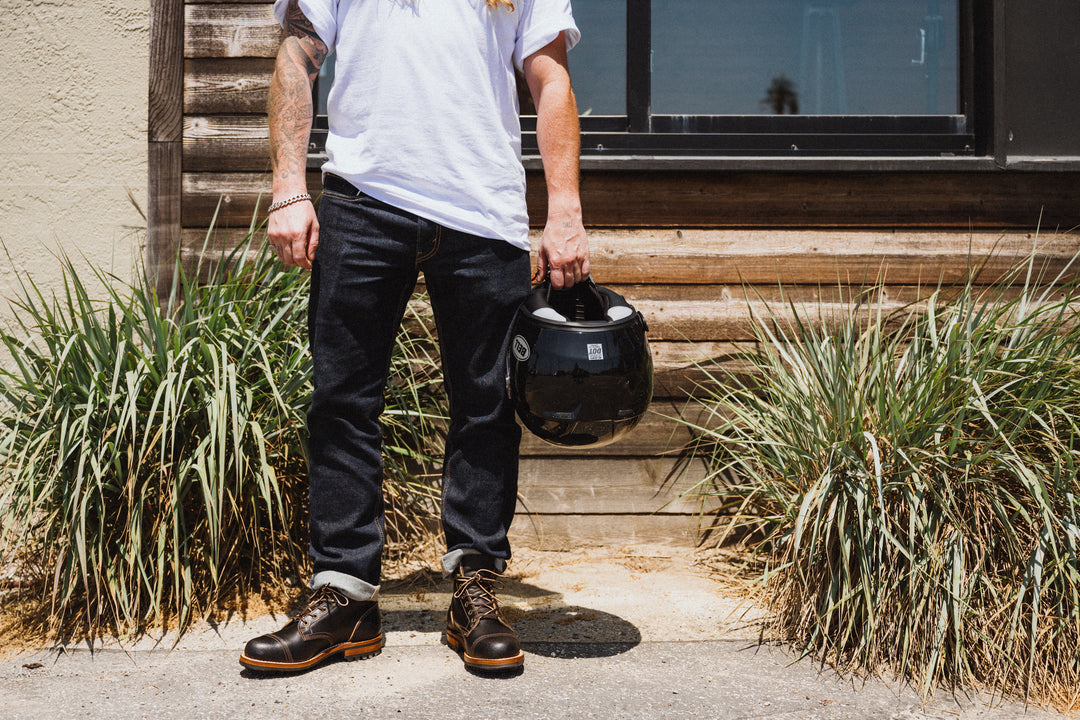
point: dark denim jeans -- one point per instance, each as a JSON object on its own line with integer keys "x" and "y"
{"x": 365, "y": 269}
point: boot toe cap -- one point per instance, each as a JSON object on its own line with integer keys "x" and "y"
{"x": 266, "y": 648}
{"x": 501, "y": 646}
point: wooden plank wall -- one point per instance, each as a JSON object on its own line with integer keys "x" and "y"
{"x": 164, "y": 139}
{"x": 687, "y": 248}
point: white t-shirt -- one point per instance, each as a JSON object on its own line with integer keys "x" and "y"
{"x": 423, "y": 111}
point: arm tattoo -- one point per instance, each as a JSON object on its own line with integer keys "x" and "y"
{"x": 290, "y": 111}
{"x": 290, "y": 114}
{"x": 298, "y": 26}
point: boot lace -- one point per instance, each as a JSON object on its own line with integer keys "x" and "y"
{"x": 319, "y": 604}
{"x": 477, "y": 595}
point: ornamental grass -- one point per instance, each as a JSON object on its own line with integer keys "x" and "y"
{"x": 907, "y": 484}
{"x": 153, "y": 450}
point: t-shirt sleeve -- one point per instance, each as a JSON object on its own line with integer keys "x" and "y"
{"x": 541, "y": 22}
{"x": 321, "y": 13}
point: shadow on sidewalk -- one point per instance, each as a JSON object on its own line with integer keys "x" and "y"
{"x": 541, "y": 618}
{"x": 417, "y": 603}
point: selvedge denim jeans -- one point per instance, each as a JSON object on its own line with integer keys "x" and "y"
{"x": 364, "y": 272}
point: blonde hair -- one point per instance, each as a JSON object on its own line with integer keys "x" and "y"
{"x": 508, "y": 4}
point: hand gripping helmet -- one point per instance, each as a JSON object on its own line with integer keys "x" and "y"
{"x": 579, "y": 370}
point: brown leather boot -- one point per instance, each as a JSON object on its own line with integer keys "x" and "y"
{"x": 473, "y": 625}
{"x": 329, "y": 624}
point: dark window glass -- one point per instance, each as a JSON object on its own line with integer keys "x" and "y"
{"x": 765, "y": 78}
{"x": 323, "y": 83}
{"x": 598, "y": 64}
{"x": 809, "y": 57}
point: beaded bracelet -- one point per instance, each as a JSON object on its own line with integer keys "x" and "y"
{"x": 288, "y": 201}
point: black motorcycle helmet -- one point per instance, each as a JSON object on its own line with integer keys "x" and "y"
{"x": 579, "y": 370}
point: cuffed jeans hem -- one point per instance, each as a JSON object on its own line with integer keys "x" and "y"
{"x": 452, "y": 559}
{"x": 353, "y": 587}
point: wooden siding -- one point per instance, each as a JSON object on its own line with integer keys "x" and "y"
{"x": 238, "y": 86}
{"x": 164, "y": 139}
{"x": 698, "y": 251}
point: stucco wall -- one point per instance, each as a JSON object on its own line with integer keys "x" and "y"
{"x": 73, "y": 99}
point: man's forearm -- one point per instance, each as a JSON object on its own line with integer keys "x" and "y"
{"x": 290, "y": 114}
{"x": 563, "y": 255}
{"x": 559, "y": 139}
{"x": 290, "y": 110}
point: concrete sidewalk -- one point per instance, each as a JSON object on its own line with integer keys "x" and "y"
{"x": 634, "y": 634}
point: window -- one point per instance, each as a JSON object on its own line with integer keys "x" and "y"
{"x": 766, "y": 78}
{"x": 772, "y": 77}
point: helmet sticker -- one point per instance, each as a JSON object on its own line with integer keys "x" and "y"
{"x": 520, "y": 347}
{"x": 596, "y": 351}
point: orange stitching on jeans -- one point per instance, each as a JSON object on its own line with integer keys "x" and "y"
{"x": 434, "y": 245}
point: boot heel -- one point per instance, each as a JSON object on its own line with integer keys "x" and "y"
{"x": 454, "y": 641}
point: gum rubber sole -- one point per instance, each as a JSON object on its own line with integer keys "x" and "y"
{"x": 350, "y": 651}
{"x": 455, "y": 642}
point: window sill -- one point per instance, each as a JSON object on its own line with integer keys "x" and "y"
{"x": 683, "y": 163}
{"x": 783, "y": 164}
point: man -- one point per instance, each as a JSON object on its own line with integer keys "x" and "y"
{"x": 424, "y": 174}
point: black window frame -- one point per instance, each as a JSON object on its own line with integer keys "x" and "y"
{"x": 641, "y": 133}
{"x": 641, "y": 139}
